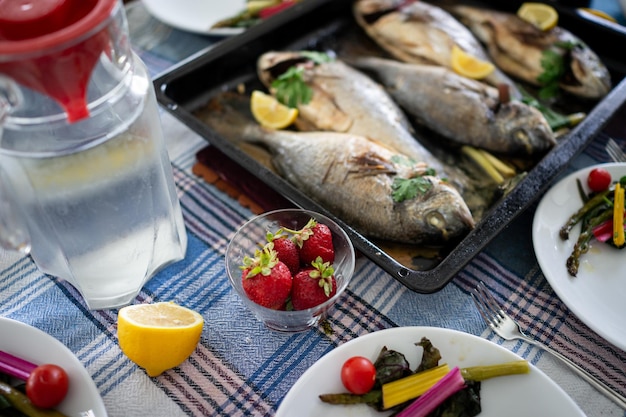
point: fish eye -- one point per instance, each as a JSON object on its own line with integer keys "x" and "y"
{"x": 436, "y": 219}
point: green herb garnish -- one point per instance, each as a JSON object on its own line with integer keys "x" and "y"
{"x": 555, "y": 119}
{"x": 554, "y": 67}
{"x": 316, "y": 57}
{"x": 409, "y": 188}
{"x": 402, "y": 160}
{"x": 291, "y": 89}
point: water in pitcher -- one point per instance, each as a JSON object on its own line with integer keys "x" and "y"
{"x": 105, "y": 218}
{"x": 85, "y": 180}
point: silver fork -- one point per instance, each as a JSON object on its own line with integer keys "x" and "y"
{"x": 614, "y": 151}
{"x": 507, "y": 328}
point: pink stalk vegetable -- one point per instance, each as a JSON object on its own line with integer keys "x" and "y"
{"x": 16, "y": 367}
{"x": 604, "y": 231}
{"x": 437, "y": 394}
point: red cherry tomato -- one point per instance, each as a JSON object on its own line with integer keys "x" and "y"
{"x": 599, "y": 179}
{"x": 358, "y": 375}
{"x": 47, "y": 385}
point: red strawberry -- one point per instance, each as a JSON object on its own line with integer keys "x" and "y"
{"x": 313, "y": 286}
{"x": 316, "y": 240}
{"x": 287, "y": 253}
{"x": 266, "y": 280}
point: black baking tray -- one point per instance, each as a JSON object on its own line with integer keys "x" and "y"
{"x": 308, "y": 25}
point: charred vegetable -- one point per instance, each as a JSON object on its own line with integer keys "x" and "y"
{"x": 391, "y": 365}
{"x": 430, "y": 357}
{"x": 599, "y": 212}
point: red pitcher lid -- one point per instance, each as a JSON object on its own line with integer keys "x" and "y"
{"x": 38, "y": 36}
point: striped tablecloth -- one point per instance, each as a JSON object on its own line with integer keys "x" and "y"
{"x": 242, "y": 369}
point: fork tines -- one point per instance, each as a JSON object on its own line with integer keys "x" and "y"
{"x": 487, "y": 306}
{"x": 615, "y": 151}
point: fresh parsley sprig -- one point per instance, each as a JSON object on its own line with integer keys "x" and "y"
{"x": 554, "y": 67}
{"x": 291, "y": 88}
{"x": 408, "y": 188}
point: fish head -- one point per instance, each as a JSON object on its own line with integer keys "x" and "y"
{"x": 588, "y": 77}
{"x": 441, "y": 215}
{"x": 524, "y": 128}
{"x": 367, "y": 8}
{"x": 271, "y": 65}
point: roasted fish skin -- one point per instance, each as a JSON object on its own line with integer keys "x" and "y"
{"x": 352, "y": 177}
{"x": 346, "y": 100}
{"x": 422, "y": 33}
{"x": 517, "y": 47}
{"x": 465, "y": 111}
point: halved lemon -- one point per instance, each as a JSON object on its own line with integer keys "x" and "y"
{"x": 269, "y": 112}
{"x": 470, "y": 66}
{"x": 541, "y": 15}
{"x": 158, "y": 336}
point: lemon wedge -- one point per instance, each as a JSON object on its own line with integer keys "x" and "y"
{"x": 542, "y": 16}
{"x": 598, "y": 13}
{"x": 269, "y": 112}
{"x": 470, "y": 66}
{"x": 158, "y": 336}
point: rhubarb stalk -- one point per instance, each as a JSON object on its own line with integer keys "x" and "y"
{"x": 14, "y": 366}
{"x": 437, "y": 394}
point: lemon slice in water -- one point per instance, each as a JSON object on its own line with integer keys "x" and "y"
{"x": 158, "y": 336}
{"x": 269, "y": 112}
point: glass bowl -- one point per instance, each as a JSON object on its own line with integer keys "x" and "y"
{"x": 253, "y": 233}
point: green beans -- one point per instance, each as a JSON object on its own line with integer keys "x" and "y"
{"x": 21, "y": 403}
{"x": 582, "y": 213}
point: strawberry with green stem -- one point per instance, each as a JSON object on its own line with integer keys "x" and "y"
{"x": 313, "y": 285}
{"x": 265, "y": 279}
{"x": 286, "y": 249}
{"x": 314, "y": 239}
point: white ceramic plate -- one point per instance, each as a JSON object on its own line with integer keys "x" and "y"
{"x": 196, "y": 15}
{"x": 504, "y": 396}
{"x": 38, "y": 347}
{"x": 596, "y": 295}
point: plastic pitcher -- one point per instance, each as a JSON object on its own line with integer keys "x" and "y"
{"x": 86, "y": 185}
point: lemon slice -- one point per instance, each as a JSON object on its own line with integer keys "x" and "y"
{"x": 470, "y": 66}
{"x": 598, "y": 13}
{"x": 541, "y": 15}
{"x": 269, "y": 112}
{"x": 158, "y": 336}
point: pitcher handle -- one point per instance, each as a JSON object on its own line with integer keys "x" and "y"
{"x": 13, "y": 232}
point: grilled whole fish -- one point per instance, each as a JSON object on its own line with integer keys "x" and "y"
{"x": 517, "y": 47}
{"x": 466, "y": 111}
{"x": 348, "y": 101}
{"x": 421, "y": 33}
{"x": 352, "y": 177}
